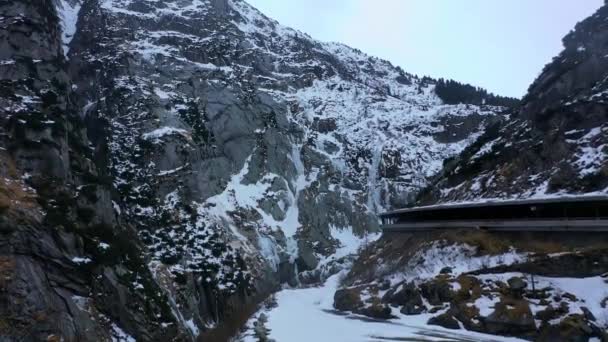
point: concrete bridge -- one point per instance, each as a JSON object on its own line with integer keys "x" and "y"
{"x": 580, "y": 214}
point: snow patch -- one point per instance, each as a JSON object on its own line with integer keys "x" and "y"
{"x": 68, "y": 11}
{"x": 119, "y": 335}
{"x": 81, "y": 261}
{"x": 159, "y": 133}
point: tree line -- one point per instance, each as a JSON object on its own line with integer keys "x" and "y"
{"x": 453, "y": 92}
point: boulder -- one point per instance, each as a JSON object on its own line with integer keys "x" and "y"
{"x": 408, "y": 296}
{"x": 573, "y": 328}
{"x": 511, "y": 317}
{"x": 517, "y": 285}
{"x": 435, "y": 309}
{"x": 413, "y": 309}
{"x": 347, "y": 300}
{"x": 548, "y": 314}
{"x": 376, "y": 310}
{"x": 446, "y": 270}
{"x": 466, "y": 314}
{"x": 444, "y": 320}
{"x": 325, "y": 125}
{"x": 588, "y": 314}
{"x": 385, "y": 285}
{"x": 437, "y": 291}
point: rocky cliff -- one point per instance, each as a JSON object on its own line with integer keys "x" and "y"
{"x": 167, "y": 164}
{"x": 69, "y": 263}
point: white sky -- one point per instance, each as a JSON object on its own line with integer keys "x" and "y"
{"x": 501, "y": 45}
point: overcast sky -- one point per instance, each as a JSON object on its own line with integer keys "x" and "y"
{"x": 500, "y": 45}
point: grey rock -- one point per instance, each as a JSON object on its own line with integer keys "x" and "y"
{"x": 347, "y": 300}
{"x": 517, "y": 284}
{"x": 444, "y": 320}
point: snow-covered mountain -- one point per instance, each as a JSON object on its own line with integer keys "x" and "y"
{"x": 556, "y": 144}
{"x": 184, "y": 158}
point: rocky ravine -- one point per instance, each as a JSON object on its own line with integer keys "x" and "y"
{"x": 166, "y": 164}
{"x": 546, "y": 287}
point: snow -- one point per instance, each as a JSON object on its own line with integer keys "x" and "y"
{"x": 350, "y": 243}
{"x": 120, "y": 6}
{"x": 119, "y": 335}
{"x": 374, "y": 203}
{"x": 403, "y": 123}
{"x": 591, "y": 159}
{"x": 308, "y": 315}
{"x": 172, "y": 171}
{"x": 268, "y": 249}
{"x": 68, "y": 15}
{"x": 377, "y": 114}
{"x": 163, "y": 95}
{"x": 591, "y": 155}
{"x": 192, "y": 327}
{"x": 291, "y": 223}
{"x": 589, "y": 292}
{"x": 538, "y": 193}
{"x": 159, "y": 133}
{"x": 486, "y": 304}
{"x": 461, "y": 258}
{"x": 239, "y": 196}
{"x": 485, "y": 149}
{"x": 80, "y": 260}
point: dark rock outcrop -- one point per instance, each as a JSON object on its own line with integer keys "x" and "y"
{"x": 71, "y": 267}
{"x": 444, "y": 320}
{"x": 347, "y": 300}
{"x": 437, "y": 291}
{"x": 510, "y": 317}
{"x": 408, "y": 297}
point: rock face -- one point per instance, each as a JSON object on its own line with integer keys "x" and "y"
{"x": 68, "y": 263}
{"x": 167, "y": 164}
{"x": 556, "y": 144}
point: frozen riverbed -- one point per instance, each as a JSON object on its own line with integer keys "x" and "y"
{"x": 307, "y": 315}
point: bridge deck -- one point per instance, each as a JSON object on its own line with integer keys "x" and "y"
{"x": 600, "y": 225}
{"x": 582, "y": 214}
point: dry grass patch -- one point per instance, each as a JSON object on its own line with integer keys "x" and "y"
{"x": 486, "y": 242}
{"x": 470, "y": 288}
{"x": 13, "y": 192}
{"x": 13, "y": 195}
